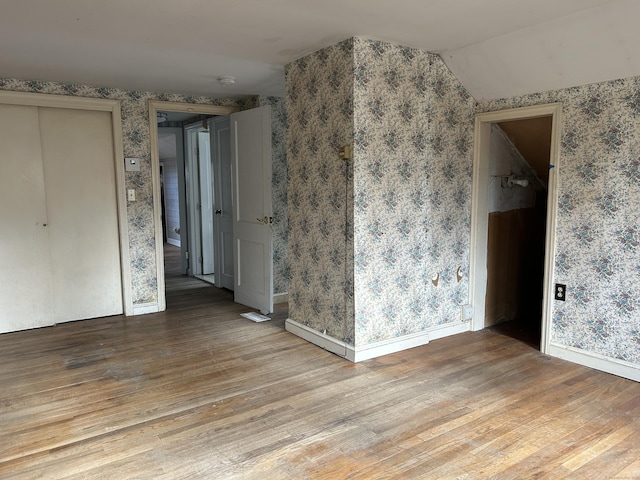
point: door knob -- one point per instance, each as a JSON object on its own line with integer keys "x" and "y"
{"x": 264, "y": 220}
{"x": 218, "y": 212}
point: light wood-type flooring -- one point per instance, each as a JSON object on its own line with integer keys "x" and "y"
{"x": 200, "y": 392}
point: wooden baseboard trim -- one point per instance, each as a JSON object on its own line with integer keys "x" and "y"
{"x": 377, "y": 349}
{"x": 280, "y": 298}
{"x": 596, "y": 361}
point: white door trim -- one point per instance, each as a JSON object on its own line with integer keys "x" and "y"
{"x": 192, "y": 188}
{"x": 154, "y": 107}
{"x": 101, "y": 105}
{"x": 479, "y": 213}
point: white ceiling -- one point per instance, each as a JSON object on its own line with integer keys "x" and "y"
{"x": 496, "y": 47}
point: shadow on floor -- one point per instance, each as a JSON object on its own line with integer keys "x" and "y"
{"x": 525, "y": 330}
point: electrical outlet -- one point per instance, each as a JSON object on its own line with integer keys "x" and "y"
{"x": 561, "y": 292}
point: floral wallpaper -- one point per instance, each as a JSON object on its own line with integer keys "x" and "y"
{"x": 135, "y": 126}
{"x": 278, "y": 191}
{"x": 407, "y": 191}
{"x": 319, "y": 102}
{"x": 598, "y": 225}
{"x": 412, "y": 190}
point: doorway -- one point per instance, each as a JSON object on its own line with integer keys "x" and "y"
{"x": 186, "y": 111}
{"x": 195, "y": 180}
{"x": 513, "y": 221}
{"x": 198, "y": 178}
{"x": 250, "y": 251}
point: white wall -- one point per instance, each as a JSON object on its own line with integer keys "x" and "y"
{"x": 506, "y": 161}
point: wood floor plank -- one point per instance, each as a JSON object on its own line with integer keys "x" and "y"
{"x": 200, "y": 392}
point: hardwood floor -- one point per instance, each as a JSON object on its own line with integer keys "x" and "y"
{"x": 200, "y": 392}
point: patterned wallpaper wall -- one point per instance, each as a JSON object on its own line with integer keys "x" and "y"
{"x": 407, "y": 198}
{"x": 279, "y": 191}
{"x": 135, "y": 126}
{"x": 412, "y": 189}
{"x": 598, "y": 225}
{"x": 319, "y": 100}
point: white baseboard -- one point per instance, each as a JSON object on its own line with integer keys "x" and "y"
{"x": 385, "y": 347}
{"x": 448, "y": 329}
{"x": 378, "y": 349}
{"x": 596, "y": 361}
{"x": 174, "y": 242}
{"x": 320, "y": 339}
{"x": 280, "y": 298}
{"x": 144, "y": 308}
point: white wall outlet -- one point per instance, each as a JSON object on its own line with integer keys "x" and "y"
{"x": 131, "y": 195}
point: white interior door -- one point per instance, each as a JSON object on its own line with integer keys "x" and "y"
{"x": 206, "y": 202}
{"x": 252, "y": 209}
{"x": 79, "y": 172}
{"x": 25, "y": 293}
{"x": 223, "y": 201}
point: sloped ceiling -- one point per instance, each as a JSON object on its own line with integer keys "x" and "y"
{"x": 532, "y": 138}
{"x": 496, "y": 47}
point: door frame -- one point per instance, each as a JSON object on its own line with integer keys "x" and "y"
{"x": 480, "y": 216}
{"x": 154, "y": 107}
{"x": 222, "y": 216}
{"x": 192, "y": 197}
{"x": 99, "y": 105}
{"x": 177, "y": 132}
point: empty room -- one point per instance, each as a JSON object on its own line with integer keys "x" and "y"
{"x": 320, "y": 240}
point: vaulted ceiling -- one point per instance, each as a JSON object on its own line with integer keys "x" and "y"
{"x": 497, "y": 48}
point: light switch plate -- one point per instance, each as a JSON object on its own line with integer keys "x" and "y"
{"x": 132, "y": 164}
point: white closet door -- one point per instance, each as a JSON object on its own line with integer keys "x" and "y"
{"x": 79, "y": 175}
{"x": 25, "y": 286}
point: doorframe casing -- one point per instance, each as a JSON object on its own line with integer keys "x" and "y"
{"x": 193, "y": 225}
{"x": 154, "y": 107}
{"x": 480, "y": 215}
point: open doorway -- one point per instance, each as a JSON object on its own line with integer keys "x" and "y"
{"x": 198, "y": 199}
{"x": 187, "y": 126}
{"x": 517, "y": 212}
{"x": 195, "y": 181}
{"x": 513, "y": 221}
{"x": 250, "y": 251}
